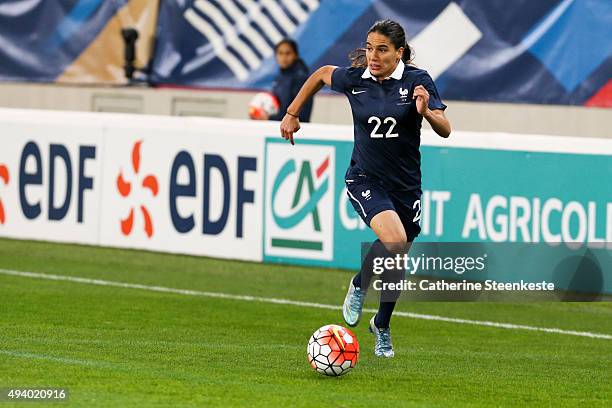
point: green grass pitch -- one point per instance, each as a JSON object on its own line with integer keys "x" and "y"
{"x": 115, "y": 346}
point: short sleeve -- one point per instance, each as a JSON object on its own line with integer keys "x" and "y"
{"x": 340, "y": 80}
{"x": 435, "y": 101}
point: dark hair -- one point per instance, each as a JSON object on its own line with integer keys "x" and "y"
{"x": 291, "y": 43}
{"x": 396, "y": 35}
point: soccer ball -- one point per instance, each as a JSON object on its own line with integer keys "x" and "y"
{"x": 263, "y": 104}
{"x": 333, "y": 350}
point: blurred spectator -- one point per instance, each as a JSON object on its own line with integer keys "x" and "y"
{"x": 293, "y": 73}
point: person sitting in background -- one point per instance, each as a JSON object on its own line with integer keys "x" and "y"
{"x": 293, "y": 73}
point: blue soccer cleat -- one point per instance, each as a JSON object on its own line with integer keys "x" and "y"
{"x": 383, "y": 346}
{"x": 353, "y": 304}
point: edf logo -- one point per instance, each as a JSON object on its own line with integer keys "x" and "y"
{"x": 124, "y": 187}
{"x": 183, "y": 183}
{"x": 299, "y": 203}
{"x": 32, "y": 172}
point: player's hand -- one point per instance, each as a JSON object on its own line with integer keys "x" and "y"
{"x": 289, "y": 125}
{"x": 422, "y": 99}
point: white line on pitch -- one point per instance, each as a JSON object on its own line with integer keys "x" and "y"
{"x": 100, "y": 282}
{"x": 63, "y": 360}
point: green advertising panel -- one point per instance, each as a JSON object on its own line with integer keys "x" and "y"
{"x": 495, "y": 197}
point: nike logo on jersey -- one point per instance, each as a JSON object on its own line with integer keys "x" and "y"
{"x": 356, "y": 92}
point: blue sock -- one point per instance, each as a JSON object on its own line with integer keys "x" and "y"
{"x": 383, "y": 316}
{"x": 377, "y": 249}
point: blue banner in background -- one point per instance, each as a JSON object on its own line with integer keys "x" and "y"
{"x": 547, "y": 51}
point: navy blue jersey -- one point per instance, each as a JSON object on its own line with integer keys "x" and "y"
{"x": 387, "y": 125}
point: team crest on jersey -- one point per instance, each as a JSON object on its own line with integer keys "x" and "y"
{"x": 404, "y": 96}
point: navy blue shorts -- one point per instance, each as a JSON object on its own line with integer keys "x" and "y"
{"x": 369, "y": 197}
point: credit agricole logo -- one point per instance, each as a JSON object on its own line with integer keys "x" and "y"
{"x": 299, "y": 201}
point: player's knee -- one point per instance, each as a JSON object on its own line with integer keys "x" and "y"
{"x": 395, "y": 241}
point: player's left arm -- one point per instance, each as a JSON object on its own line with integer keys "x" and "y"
{"x": 436, "y": 117}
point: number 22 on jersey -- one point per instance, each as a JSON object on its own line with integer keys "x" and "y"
{"x": 378, "y": 122}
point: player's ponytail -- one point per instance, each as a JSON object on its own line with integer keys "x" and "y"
{"x": 408, "y": 54}
{"x": 358, "y": 58}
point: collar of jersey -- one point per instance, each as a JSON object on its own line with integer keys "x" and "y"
{"x": 397, "y": 73}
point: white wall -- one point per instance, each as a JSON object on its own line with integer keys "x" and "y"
{"x": 329, "y": 109}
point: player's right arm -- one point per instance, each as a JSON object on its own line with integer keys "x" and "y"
{"x": 291, "y": 123}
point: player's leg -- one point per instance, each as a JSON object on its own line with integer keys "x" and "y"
{"x": 396, "y": 229}
{"x": 359, "y": 284}
{"x": 368, "y": 198}
{"x": 390, "y": 231}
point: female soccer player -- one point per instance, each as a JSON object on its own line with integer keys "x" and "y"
{"x": 389, "y": 99}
